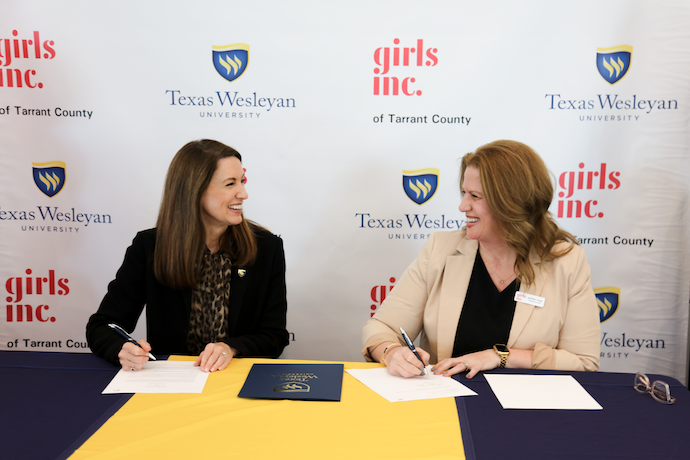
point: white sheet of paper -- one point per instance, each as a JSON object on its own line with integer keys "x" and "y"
{"x": 396, "y": 389}
{"x": 518, "y": 391}
{"x": 160, "y": 377}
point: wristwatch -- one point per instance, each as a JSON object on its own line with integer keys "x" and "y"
{"x": 503, "y": 352}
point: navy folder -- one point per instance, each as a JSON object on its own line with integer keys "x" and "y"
{"x": 320, "y": 382}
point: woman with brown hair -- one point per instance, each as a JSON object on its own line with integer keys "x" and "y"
{"x": 212, "y": 282}
{"x": 511, "y": 289}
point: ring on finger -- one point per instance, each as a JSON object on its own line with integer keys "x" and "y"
{"x": 467, "y": 367}
{"x": 224, "y": 355}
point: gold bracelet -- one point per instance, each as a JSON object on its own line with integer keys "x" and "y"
{"x": 383, "y": 355}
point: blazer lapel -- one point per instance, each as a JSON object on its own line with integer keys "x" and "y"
{"x": 186, "y": 295}
{"x": 456, "y": 280}
{"x": 523, "y": 311}
{"x": 238, "y": 287}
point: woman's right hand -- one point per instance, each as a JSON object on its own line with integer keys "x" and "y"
{"x": 400, "y": 361}
{"x": 132, "y": 357}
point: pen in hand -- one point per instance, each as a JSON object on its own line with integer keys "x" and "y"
{"x": 128, "y": 338}
{"x": 414, "y": 350}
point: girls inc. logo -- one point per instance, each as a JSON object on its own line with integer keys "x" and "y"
{"x": 18, "y": 287}
{"x": 15, "y": 49}
{"x": 386, "y": 58}
{"x": 571, "y": 181}
{"x": 378, "y": 295}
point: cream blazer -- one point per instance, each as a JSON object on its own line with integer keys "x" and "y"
{"x": 564, "y": 333}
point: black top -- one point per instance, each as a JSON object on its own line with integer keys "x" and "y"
{"x": 257, "y": 313}
{"x": 487, "y": 314}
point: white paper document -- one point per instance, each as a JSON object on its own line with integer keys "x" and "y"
{"x": 540, "y": 392}
{"x": 160, "y": 377}
{"x": 396, "y": 389}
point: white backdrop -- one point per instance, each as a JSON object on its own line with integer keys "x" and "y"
{"x": 117, "y": 90}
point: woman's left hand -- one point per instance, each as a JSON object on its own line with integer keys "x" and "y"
{"x": 470, "y": 363}
{"x": 215, "y": 357}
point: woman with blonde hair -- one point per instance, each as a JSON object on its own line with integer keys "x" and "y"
{"x": 212, "y": 282}
{"x": 511, "y": 289}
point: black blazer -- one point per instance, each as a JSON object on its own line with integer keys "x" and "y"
{"x": 258, "y": 304}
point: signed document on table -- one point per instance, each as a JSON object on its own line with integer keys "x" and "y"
{"x": 160, "y": 377}
{"x": 396, "y": 389}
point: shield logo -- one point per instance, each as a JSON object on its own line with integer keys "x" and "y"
{"x": 613, "y": 63}
{"x": 50, "y": 177}
{"x": 231, "y": 61}
{"x": 608, "y": 299}
{"x": 420, "y": 185}
{"x": 292, "y": 387}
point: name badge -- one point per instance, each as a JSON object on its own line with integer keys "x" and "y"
{"x": 530, "y": 299}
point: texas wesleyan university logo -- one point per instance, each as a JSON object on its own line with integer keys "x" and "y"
{"x": 420, "y": 185}
{"x": 50, "y": 177}
{"x": 231, "y": 61}
{"x": 608, "y": 299}
{"x": 293, "y": 387}
{"x": 613, "y": 63}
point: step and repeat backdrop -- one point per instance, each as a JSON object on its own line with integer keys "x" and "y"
{"x": 336, "y": 108}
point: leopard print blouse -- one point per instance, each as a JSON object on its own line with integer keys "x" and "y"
{"x": 208, "y": 321}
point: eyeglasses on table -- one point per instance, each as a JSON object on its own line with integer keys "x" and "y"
{"x": 658, "y": 389}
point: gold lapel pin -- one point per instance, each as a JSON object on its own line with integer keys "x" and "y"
{"x": 241, "y": 272}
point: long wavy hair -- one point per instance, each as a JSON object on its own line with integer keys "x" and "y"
{"x": 518, "y": 190}
{"x": 181, "y": 234}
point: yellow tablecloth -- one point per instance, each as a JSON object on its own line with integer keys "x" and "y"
{"x": 218, "y": 424}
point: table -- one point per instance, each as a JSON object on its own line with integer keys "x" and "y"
{"x": 55, "y": 404}
{"x": 217, "y": 424}
{"x": 50, "y": 403}
{"x": 631, "y": 425}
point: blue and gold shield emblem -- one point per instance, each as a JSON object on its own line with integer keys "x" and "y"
{"x": 420, "y": 185}
{"x": 613, "y": 63}
{"x": 608, "y": 299}
{"x": 293, "y": 387}
{"x": 231, "y": 61}
{"x": 50, "y": 177}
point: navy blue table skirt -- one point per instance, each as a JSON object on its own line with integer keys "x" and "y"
{"x": 50, "y": 403}
{"x": 630, "y": 426}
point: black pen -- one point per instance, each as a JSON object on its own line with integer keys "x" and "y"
{"x": 414, "y": 350}
{"x": 128, "y": 338}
